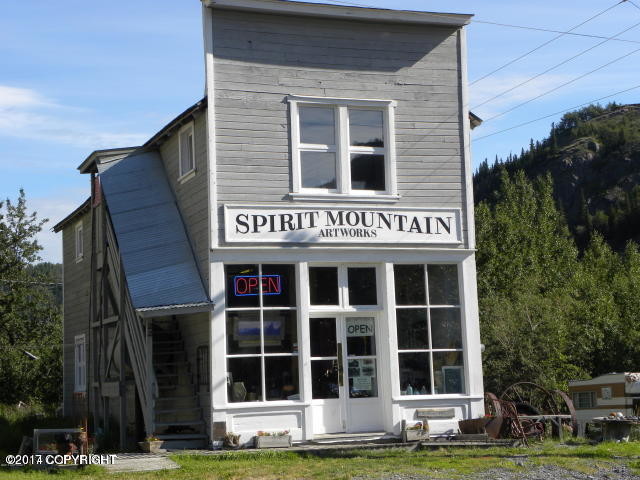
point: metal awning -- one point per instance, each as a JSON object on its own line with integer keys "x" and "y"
{"x": 158, "y": 260}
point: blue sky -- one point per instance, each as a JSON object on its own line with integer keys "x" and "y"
{"x": 75, "y": 77}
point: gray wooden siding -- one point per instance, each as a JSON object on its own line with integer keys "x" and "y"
{"x": 259, "y": 59}
{"x": 192, "y": 195}
{"x": 76, "y": 279}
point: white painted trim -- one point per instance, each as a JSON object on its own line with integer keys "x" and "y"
{"x": 78, "y": 241}
{"x": 80, "y": 376}
{"x": 343, "y": 12}
{"x": 343, "y": 149}
{"x": 466, "y": 139}
{"x": 186, "y": 130}
{"x": 342, "y": 197}
{"x": 209, "y": 64}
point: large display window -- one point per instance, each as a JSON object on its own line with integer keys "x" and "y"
{"x": 261, "y": 333}
{"x": 429, "y": 330}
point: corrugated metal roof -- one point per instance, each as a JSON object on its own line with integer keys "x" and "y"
{"x": 158, "y": 260}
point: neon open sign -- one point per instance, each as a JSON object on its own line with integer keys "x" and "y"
{"x": 249, "y": 285}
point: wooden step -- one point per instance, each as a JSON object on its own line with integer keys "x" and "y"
{"x": 177, "y": 409}
{"x": 180, "y": 423}
{"x": 182, "y": 436}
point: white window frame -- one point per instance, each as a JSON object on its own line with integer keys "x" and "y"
{"x": 79, "y": 241}
{"x": 429, "y": 307}
{"x": 80, "y": 363}
{"x": 343, "y": 150}
{"x": 183, "y": 176}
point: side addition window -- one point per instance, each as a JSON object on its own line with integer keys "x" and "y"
{"x": 79, "y": 240}
{"x": 342, "y": 147}
{"x": 187, "y": 148}
{"x": 80, "y": 364}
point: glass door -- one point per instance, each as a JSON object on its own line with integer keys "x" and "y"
{"x": 344, "y": 374}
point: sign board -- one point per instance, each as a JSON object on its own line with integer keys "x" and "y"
{"x": 435, "y": 412}
{"x": 360, "y": 327}
{"x": 267, "y": 224}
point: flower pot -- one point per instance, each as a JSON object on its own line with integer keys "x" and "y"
{"x": 154, "y": 446}
{"x": 414, "y": 435}
{"x": 272, "y": 441}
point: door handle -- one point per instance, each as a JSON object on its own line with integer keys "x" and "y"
{"x": 340, "y": 369}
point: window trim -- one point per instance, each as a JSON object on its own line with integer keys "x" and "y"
{"x": 343, "y": 150}
{"x": 80, "y": 367}
{"x": 78, "y": 233}
{"x": 184, "y": 176}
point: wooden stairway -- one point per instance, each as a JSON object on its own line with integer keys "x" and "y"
{"x": 178, "y": 416}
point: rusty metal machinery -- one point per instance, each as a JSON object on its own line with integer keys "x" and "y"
{"x": 523, "y": 410}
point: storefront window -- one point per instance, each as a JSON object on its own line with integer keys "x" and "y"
{"x": 429, "y": 329}
{"x": 262, "y": 333}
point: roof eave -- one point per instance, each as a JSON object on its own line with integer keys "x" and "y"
{"x": 89, "y": 163}
{"x": 69, "y": 218}
{"x": 285, "y": 7}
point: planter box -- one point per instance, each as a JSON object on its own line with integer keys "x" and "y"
{"x": 414, "y": 435}
{"x": 272, "y": 441}
{"x": 151, "y": 447}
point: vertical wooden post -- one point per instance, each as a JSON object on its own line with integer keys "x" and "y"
{"x": 149, "y": 407}
{"x": 123, "y": 378}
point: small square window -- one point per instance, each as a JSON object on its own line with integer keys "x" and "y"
{"x": 186, "y": 151}
{"x": 342, "y": 147}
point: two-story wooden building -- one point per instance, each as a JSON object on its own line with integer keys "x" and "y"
{"x": 296, "y": 250}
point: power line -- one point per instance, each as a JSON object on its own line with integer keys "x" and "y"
{"x": 557, "y": 113}
{"x": 552, "y": 68}
{"x": 562, "y": 85}
{"x": 544, "y": 44}
{"x": 538, "y": 29}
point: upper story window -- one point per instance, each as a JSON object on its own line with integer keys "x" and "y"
{"x": 187, "y": 148}
{"x": 342, "y": 147}
{"x": 79, "y": 241}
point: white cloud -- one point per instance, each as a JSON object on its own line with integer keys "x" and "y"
{"x": 24, "y": 113}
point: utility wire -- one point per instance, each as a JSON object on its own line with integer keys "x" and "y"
{"x": 552, "y": 68}
{"x": 562, "y": 85}
{"x": 538, "y": 29}
{"x": 557, "y": 113}
{"x": 544, "y": 44}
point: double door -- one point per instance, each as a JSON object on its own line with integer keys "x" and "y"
{"x": 344, "y": 373}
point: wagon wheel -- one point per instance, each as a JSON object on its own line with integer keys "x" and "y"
{"x": 531, "y": 399}
{"x": 492, "y": 405}
{"x": 567, "y": 407}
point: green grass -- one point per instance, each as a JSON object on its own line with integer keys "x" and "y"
{"x": 445, "y": 463}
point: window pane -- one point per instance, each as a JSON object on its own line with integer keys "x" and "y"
{"x": 363, "y": 380}
{"x": 448, "y": 372}
{"x": 415, "y": 378}
{"x": 409, "y": 283}
{"x": 278, "y": 285}
{"x": 446, "y": 331}
{"x": 367, "y": 172}
{"x": 318, "y": 169}
{"x": 280, "y": 331}
{"x": 317, "y": 125}
{"x": 361, "y": 336}
{"x": 243, "y": 332}
{"x": 245, "y": 384}
{"x": 324, "y": 378}
{"x": 323, "y": 337}
{"x": 443, "y": 285}
{"x": 323, "y": 285}
{"x": 242, "y": 285}
{"x": 362, "y": 286}
{"x": 413, "y": 332}
{"x": 365, "y": 128}
{"x": 281, "y": 376}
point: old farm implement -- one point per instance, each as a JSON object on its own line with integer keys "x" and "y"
{"x": 526, "y": 410}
